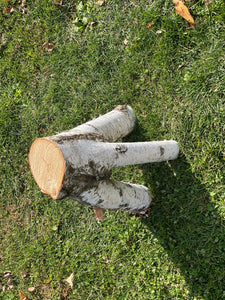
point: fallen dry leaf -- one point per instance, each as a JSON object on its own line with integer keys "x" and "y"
{"x": 150, "y": 25}
{"x": 100, "y": 2}
{"x": 49, "y": 46}
{"x": 31, "y": 289}
{"x": 59, "y": 3}
{"x": 99, "y": 214}
{"x": 70, "y": 280}
{"x": 10, "y": 283}
{"x": 7, "y": 274}
{"x": 183, "y": 11}
{"x": 10, "y": 9}
{"x": 22, "y": 296}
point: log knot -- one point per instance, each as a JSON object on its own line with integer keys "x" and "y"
{"x": 121, "y": 148}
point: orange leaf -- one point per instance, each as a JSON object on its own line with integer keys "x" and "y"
{"x": 22, "y": 296}
{"x": 49, "y": 46}
{"x": 150, "y": 25}
{"x": 183, "y": 11}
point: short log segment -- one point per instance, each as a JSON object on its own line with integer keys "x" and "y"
{"x": 112, "y": 194}
{"x": 78, "y": 163}
{"x": 109, "y": 127}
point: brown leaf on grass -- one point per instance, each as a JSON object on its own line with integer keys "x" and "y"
{"x": 183, "y": 11}
{"x": 10, "y": 10}
{"x": 99, "y": 2}
{"x": 49, "y": 46}
{"x": 22, "y": 296}
{"x": 150, "y": 25}
{"x": 59, "y": 3}
{"x": 99, "y": 214}
{"x": 70, "y": 280}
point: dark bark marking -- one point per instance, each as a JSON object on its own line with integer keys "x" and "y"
{"x": 121, "y": 148}
{"x": 99, "y": 202}
{"x": 124, "y": 206}
{"x": 84, "y": 136}
{"x": 162, "y": 151}
{"x": 103, "y": 139}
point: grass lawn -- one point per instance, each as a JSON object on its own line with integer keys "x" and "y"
{"x": 62, "y": 64}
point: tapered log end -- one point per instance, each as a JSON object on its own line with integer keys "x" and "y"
{"x": 47, "y": 166}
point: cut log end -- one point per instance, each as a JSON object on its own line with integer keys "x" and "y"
{"x": 47, "y": 166}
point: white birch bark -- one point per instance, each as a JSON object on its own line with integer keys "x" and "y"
{"x": 78, "y": 163}
{"x": 112, "y": 194}
{"x": 98, "y": 158}
{"x": 111, "y": 126}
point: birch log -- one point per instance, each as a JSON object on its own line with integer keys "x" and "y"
{"x": 109, "y": 127}
{"x": 78, "y": 163}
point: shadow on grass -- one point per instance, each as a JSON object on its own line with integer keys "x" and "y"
{"x": 188, "y": 225}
